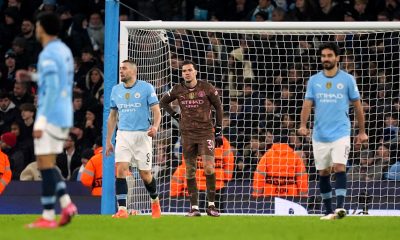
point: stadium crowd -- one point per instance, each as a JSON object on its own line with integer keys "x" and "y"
{"x": 261, "y": 81}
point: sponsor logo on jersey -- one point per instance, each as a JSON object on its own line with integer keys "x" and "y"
{"x": 329, "y": 97}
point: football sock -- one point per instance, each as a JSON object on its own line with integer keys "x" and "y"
{"x": 48, "y": 198}
{"x": 340, "y": 188}
{"x": 152, "y": 188}
{"x": 121, "y": 189}
{"x": 61, "y": 190}
{"x": 326, "y": 192}
{"x": 210, "y": 183}
{"x": 193, "y": 191}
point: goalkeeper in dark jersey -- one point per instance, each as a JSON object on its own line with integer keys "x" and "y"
{"x": 196, "y": 99}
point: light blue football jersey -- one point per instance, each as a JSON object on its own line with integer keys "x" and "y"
{"x": 55, "y": 83}
{"x": 133, "y": 105}
{"x": 331, "y": 97}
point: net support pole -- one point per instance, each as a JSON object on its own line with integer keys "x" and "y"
{"x": 110, "y": 78}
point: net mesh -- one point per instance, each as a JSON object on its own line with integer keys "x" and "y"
{"x": 262, "y": 76}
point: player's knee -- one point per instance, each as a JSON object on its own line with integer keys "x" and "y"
{"x": 339, "y": 168}
{"x": 146, "y": 176}
{"x": 209, "y": 169}
{"x": 190, "y": 173}
{"x": 325, "y": 172}
{"x": 122, "y": 170}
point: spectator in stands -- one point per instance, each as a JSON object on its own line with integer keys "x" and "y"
{"x": 360, "y": 11}
{"x": 224, "y": 166}
{"x": 372, "y": 167}
{"x": 88, "y": 61}
{"x": 70, "y": 159}
{"x": 267, "y": 115}
{"x": 280, "y": 172}
{"x": 303, "y": 10}
{"x": 96, "y": 31}
{"x": 77, "y": 36}
{"x": 383, "y": 16}
{"x": 278, "y": 15}
{"x": 7, "y": 74}
{"x": 252, "y": 152}
{"x": 28, "y": 33}
{"x": 394, "y": 172}
{"x": 9, "y": 27}
{"x": 391, "y": 129}
{"x": 238, "y": 10}
{"x": 87, "y": 154}
{"x": 92, "y": 176}
{"x": 24, "y": 141}
{"x": 9, "y": 113}
{"x": 263, "y": 6}
{"x": 21, "y": 94}
{"x": 329, "y": 10}
{"x": 79, "y": 112}
{"x": 261, "y": 17}
{"x": 92, "y": 128}
{"x": 32, "y": 173}
{"x": 23, "y": 57}
{"x": 8, "y": 142}
{"x": 5, "y": 171}
{"x": 94, "y": 82}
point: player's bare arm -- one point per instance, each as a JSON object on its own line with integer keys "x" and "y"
{"x": 111, "y": 124}
{"x": 362, "y": 136}
{"x": 152, "y": 131}
{"x": 305, "y": 114}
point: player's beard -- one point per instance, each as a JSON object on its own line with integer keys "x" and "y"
{"x": 329, "y": 66}
{"x": 125, "y": 79}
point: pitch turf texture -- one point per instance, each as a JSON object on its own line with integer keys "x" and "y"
{"x": 98, "y": 227}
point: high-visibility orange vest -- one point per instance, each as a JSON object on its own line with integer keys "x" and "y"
{"x": 280, "y": 172}
{"x": 5, "y": 171}
{"x": 224, "y": 166}
{"x": 92, "y": 175}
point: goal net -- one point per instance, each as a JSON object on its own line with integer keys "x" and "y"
{"x": 261, "y": 71}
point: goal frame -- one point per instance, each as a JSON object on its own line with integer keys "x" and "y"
{"x": 277, "y": 27}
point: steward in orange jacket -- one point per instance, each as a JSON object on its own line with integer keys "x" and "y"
{"x": 92, "y": 175}
{"x": 5, "y": 171}
{"x": 280, "y": 172}
{"x": 224, "y": 166}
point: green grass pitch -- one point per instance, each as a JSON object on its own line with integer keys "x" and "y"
{"x": 99, "y": 227}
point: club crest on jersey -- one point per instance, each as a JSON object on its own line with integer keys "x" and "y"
{"x": 339, "y": 86}
{"x": 191, "y": 95}
{"x": 127, "y": 96}
{"x": 201, "y": 94}
{"x": 137, "y": 95}
{"x": 328, "y": 85}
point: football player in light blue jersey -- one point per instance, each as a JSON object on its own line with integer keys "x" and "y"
{"x": 54, "y": 117}
{"x": 331, "y": 91}
{"x": 131, "y": 102}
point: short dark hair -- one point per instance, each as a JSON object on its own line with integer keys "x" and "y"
{"x": 50, "y": 22}
{"x": 187, "y": 62}
{"x": 4, "y": 94}
{"x": 27, "y": 107}
{"x": 130, "y": 62}
{"x": 330, "y": 45}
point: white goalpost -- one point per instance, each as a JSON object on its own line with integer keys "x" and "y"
{"x": 261, "y": 70}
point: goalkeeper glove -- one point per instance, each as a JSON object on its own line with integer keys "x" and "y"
{"x": 218, "y": 136}
{"x": 176, "y": 116}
